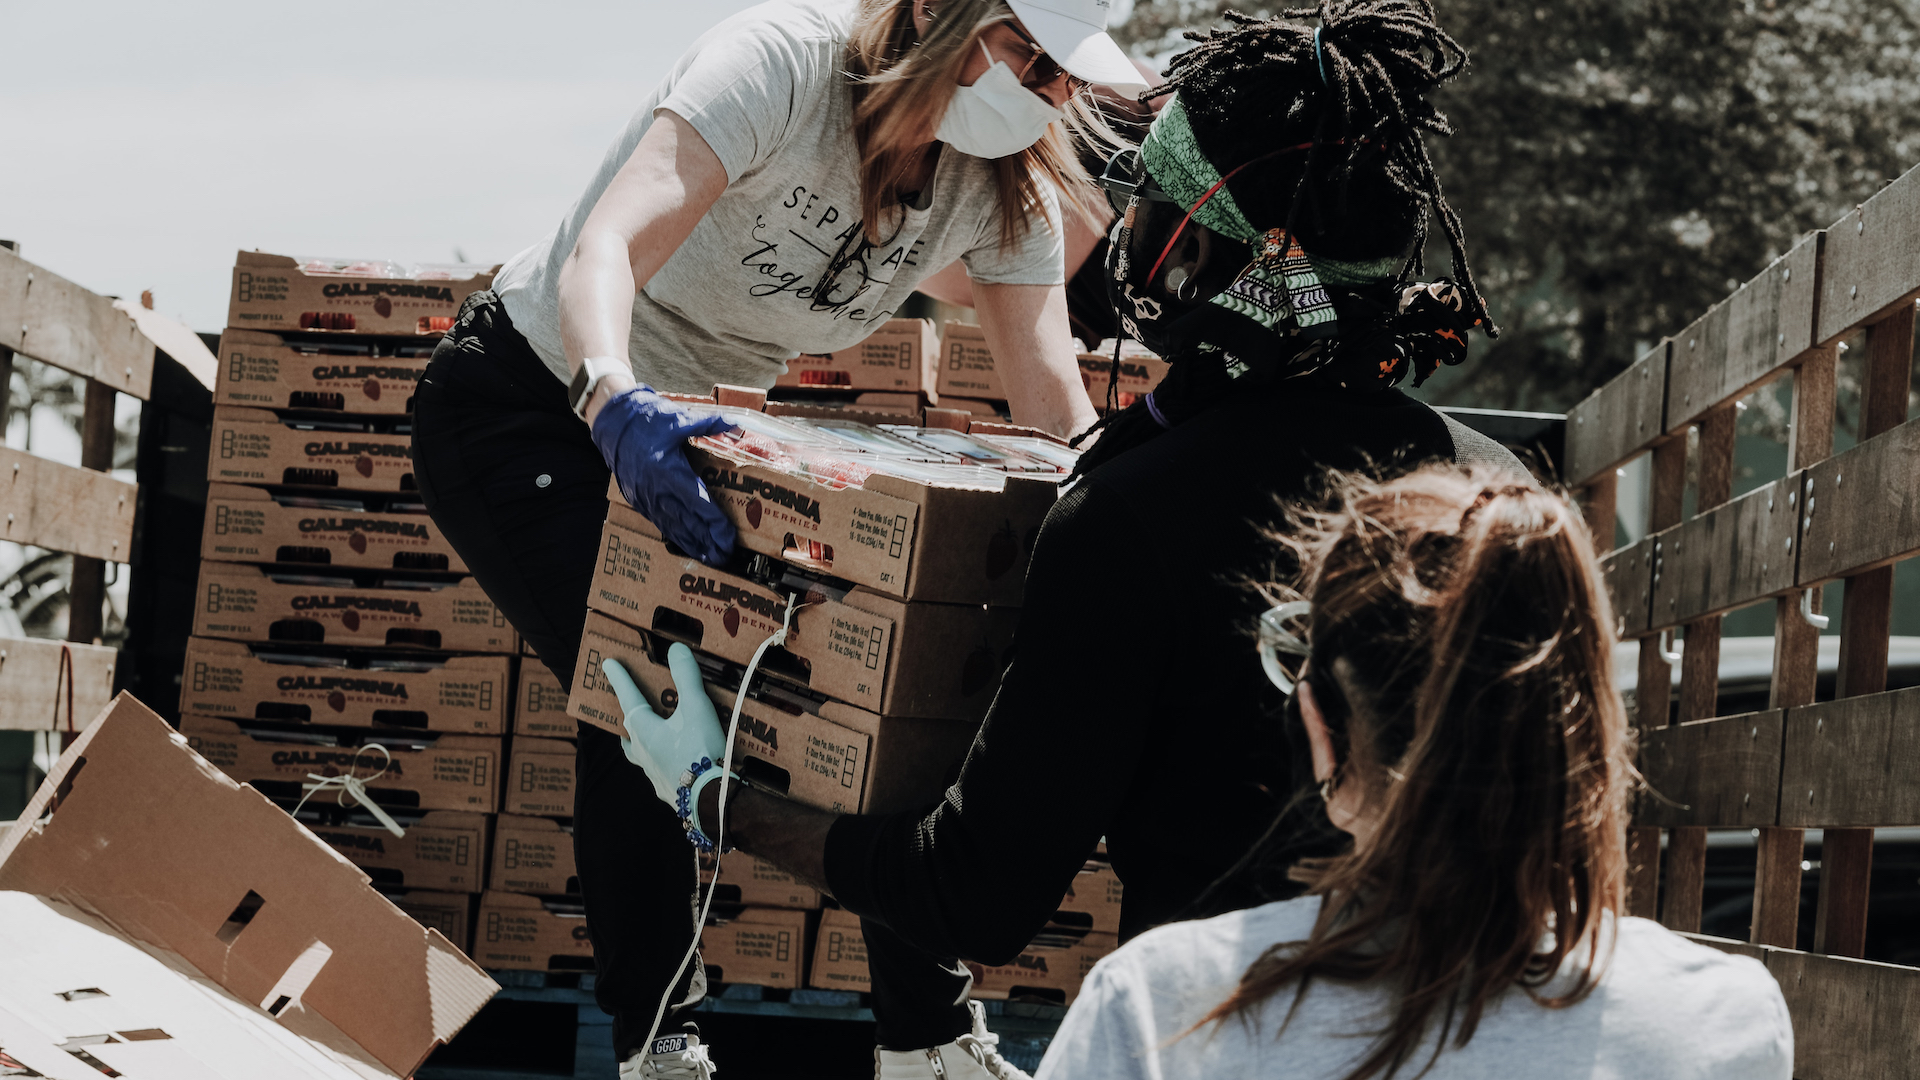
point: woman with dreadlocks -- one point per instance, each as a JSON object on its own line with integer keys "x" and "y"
{"x": 1271, "y": 222}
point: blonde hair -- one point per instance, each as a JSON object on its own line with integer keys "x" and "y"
{"x": 902, "y": 84}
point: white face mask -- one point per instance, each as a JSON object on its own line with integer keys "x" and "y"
{"x": 996, "y": 116}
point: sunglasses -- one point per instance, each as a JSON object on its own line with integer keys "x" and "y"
{"x": 1119, "y": 182}
{"x": 1283, "y": 652}
{"x": 1043, "y": 70}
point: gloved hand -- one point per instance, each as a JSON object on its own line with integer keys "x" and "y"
{"x": 643, "y": 437}
{"x": 666, "y": 748}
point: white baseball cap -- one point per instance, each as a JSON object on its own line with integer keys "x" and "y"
{"x": 1074, "y": 33}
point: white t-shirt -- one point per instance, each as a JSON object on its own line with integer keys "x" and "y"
{"x": 767, "y": 90}
{"x": 1666, "y": 1009}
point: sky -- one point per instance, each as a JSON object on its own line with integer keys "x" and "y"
{"x": 142, "y": 145}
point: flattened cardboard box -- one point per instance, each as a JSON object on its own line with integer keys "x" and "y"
{"x": 246, "y": 524}
{"x": 540, "y": 704}
{"x": 35, "y": 668}
{"x": 759, "y": 947}
{"x": 815, "y": 757}
{"x": 444, "y": 851}
{"x": 457, "y": 772}
{"x": 449, "y": 913}
{"x": 522, "y": 933}
{"x": 301, "y": 962}
{"x": 815, "y": 753}
{"x": 847, "y": 649}
{"x": 244, "y": 603}
{"x": 840, "y": 953}
{"x": 271, "y": 292}
{"x": 755, "y": 882}
{"x": 906, "y": 539}
{"x": 467, "y": 695}
{"x": 1046, "y": 969}
{"x": 264, "y": 371}
{"x": 532, "y": 855}
{"x": 253, "y": 446}
{"x": 899, "y": 356}
{"x": 540, "y": 778}
{"x": 966, "y": 364}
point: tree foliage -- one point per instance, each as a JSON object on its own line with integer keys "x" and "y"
{"x": 1621, "y": 165}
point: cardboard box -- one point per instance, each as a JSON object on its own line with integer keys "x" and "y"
{"x": 274, "y": 292}
{"x": 846, "y": 648}
{"x": 540, "y": 704}
{"x": 36, "y": 675}
{"x": 755, "y": 882}
{"x": 906, "y": 539}
{"x": 464, "y": 695}
{"x": 245, "y": 603}
{"x": 985, "y": 410}
{"x": 812, "y": 750}
{"x": 1140, "y": 371}
{"x": 451, "y": 772}
{"x": 533, "y": 855}
{"x": 247, "y": 524}
{"x": 853, "y": 412}
{"x": 840, "y": 954}
{"x": 1052, "y": 973}
{"x": 272, "y": 371}
{"x": 449, "y": 913}
{"x": 966, "y": 364}
{"x": 899, "y": 356}
{"x": 443, "y": 851}
{"x": 1092, "y": 901}
{"x": 217, "y": 919}
{"x": 526, "y": 933}
{"x": 254, "y": 446}
{"x": 758, "y": 946}
{"x": 540, "y": 778}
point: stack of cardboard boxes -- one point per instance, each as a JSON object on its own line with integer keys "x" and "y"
{"x": 888, "y": 378}
{"x": 336, "y": 633}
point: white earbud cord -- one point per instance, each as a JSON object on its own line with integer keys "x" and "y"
{"x": 778, "y": 637}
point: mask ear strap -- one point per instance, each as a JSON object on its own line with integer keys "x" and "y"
{"x": 984, "y": 51}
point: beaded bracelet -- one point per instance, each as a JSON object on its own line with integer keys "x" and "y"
{"x": 687, "y": 801}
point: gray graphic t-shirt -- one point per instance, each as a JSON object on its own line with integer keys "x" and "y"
{"x": 768, "y": 92}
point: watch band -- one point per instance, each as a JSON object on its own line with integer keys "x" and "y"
{"x": 587, "y": 379}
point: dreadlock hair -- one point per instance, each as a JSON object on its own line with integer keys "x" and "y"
{"x": 1356, "y": 90}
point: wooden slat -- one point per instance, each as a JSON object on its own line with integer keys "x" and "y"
{"x": 1619, "y": 420}
{"x": 1766, "y": 325}
{"x": 1643, "y": 870}
{"x": 1686, "y": 879}
{"x": 1853, "y": 762}
{"x": 87, "y": 582}
{"x": 61, "y": 508}
{"x": 1712, "y": 773}
{"x": 1629, "y": 577}
{"x": 1863, "y": 511}
{"x": 1776, "y": 886}
{"x": 1599, "y": 505}
{"x": 1852, "y": 1019}
{"x": 54, "y": 321}
{"x": 1726, "y": 558}
{"x": 30, "y": 674}
{"x": 1846, "y": 878}
{"x": 1871, "y": 262}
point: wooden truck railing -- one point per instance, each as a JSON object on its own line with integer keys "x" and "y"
{"x": 1844, "y": 766}
{"x": 52, "y": 685}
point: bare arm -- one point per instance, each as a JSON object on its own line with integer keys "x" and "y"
{"x": 643, "y": 217}
{"x": 952, "y": 286}
{"x": 1027, "y": 331}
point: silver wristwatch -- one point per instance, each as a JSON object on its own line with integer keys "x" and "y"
{"x": 587, "y": 379}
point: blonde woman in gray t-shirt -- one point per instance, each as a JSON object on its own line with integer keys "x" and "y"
{"x": 800, "y": 171}
{"x": 1452, "y": 670}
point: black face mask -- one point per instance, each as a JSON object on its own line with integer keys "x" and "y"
{"x": 1199, "y": 265}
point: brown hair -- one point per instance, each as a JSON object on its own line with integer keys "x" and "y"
{"x": 1462, "y": 653}
{"x": 902, "y": 84}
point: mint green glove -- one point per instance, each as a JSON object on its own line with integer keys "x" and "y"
{"x": 668, "y": 748}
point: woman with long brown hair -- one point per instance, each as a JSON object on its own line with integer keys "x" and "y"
{"x": 787, "y": 186}
{"x": 1457, "y": 695}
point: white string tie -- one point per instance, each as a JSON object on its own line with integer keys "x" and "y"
{"x": 353, "y": 790}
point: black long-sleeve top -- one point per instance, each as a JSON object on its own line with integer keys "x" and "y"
{"x": 1135, "y": 706}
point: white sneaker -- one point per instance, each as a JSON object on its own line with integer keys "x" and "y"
{"x": 671, "y": 1057}
{"x": 975, "y": 1056}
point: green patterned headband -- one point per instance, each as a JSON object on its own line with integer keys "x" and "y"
{"x": 1172, "y": 155}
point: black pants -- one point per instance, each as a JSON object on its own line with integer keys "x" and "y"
{"x": 514, "y": 482}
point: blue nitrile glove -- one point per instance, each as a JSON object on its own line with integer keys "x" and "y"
{"x": 643, "y": 436}
{"x": 667, "y": 748}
